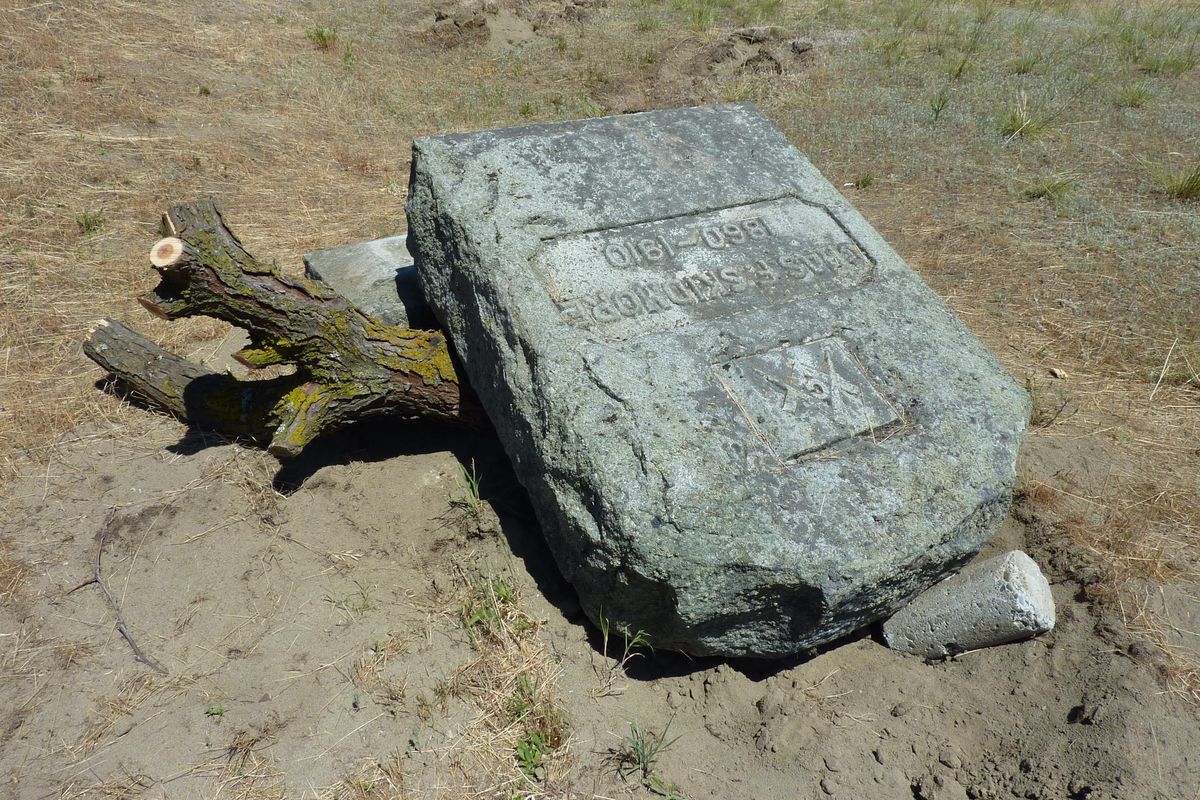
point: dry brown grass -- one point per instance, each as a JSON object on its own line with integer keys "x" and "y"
{"x": 97, "y": 128}
{"x": 369, "y": 671}
{"x": 126, "y": 787}
{"x": 374, "y": 780}
{"x": 131, "y": 695}
{"x": 512, "y": 683}
{"x": 13, "y": 572}
{"x": 1178, "y": 665}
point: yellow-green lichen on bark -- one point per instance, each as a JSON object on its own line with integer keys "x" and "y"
{"x": 347, "y": 363}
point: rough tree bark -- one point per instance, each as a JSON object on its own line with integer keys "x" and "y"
{"x": 348, "y": 365}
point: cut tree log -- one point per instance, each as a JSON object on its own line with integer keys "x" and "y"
{"x": 348, "y": 365}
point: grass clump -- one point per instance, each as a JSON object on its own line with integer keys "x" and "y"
{"x": 489, "y": 608}
{"x": 1171, "y": 64}
{"x": 542, "y": 725}
{"x": 702, "y": 15}
{"x": 633, "y": 644}
{"x": 1132, "y": 95}
{"x": 1022, "y": 120}
{"x": 1052, "y": 187}
{"x": 90, "y": 222}
{"x": 512, "y": 680}
{"x": 324, "y": 38}
{"x": 1024, "y": 64}
{"x": 1183, "y": 185}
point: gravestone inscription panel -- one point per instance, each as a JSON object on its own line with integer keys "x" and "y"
{"x": 747, "y": 427}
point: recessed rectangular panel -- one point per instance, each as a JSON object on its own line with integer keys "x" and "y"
{"x": 805, "y": 397}
{"x": 658, "y": 275}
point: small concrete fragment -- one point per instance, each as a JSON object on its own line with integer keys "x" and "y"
{"x": 377, "y": 277}
{"x": 995, "y": 601}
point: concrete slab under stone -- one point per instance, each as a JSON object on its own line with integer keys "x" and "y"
{"x": 377, "y": 277}
{"x": 995, "y": 601}
{"x": 747, "y": 427}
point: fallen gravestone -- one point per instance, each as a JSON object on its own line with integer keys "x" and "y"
{"x": 747, "y": 427}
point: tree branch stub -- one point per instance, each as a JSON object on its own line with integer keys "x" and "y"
{"x": 348, "y": 365}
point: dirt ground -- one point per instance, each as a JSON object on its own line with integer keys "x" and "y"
{"x": 310, "y": 625}
{"x": 362, "y": 624}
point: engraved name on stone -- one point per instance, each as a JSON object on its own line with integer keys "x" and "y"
{"x": 661, "y": 274}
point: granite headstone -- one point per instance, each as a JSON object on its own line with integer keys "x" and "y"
{"x": 747, "y": 427}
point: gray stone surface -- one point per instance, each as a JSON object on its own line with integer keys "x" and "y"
{"x": 377, "y": 276}
{"x": 746, "y": 425}
{"x": 995, "y": 601}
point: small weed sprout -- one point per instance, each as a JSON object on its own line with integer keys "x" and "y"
{"x": 215, "y": 712}
{"x": 324, "y": 38}
{"x": 90, "y": 222}
{"x": 638, "y": 757}
{"x": 364, "y": 596}
{"x": 530, "y": 752}
{"x": 630, "y": 650}
{"x": 864, "y": 181}
{"x": 938, "y": 103}
{"x": 470, "y": 502}
{"x": 355, "y": 604}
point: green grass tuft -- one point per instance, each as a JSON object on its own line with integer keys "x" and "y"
{"x": 1170, "y": 64}
{"x": 90, "y": 222}
{"x": 1052, "y": 187}
{"x": 1184, "y": 185}
{"x": 324, "y": 38}
{"x": 1132, "y": 95}
{"x": 1025, "y": 64}
{"x": 1022, "y": 120}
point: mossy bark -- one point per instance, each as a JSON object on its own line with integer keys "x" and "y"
{"x": 348, "y": 365}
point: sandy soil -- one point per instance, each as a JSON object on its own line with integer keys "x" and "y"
{"x": 308, "y": 625}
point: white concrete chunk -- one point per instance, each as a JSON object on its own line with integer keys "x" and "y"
{"x": 998, "y": 600}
